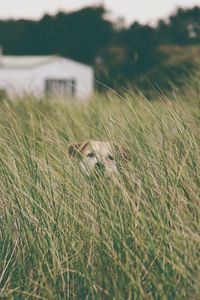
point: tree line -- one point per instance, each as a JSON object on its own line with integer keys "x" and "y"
{"x": 119, "y": 53}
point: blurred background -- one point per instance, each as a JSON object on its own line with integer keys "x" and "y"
{"x": 128, "y": 43}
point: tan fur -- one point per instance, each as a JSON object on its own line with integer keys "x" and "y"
{"x": 97, "y": 156}
{"x": 76, "y": 148}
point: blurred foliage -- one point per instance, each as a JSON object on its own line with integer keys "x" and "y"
{"x": 79, "y": 35}
{"x": 121, "y": 55}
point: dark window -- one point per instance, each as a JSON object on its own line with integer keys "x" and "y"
{"x": 60, "y": 87}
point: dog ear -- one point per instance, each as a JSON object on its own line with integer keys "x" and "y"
{"x": 76, "y": 149}
{"x": 122, "y": 153}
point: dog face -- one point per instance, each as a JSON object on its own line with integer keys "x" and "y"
{"x": 97, "y": 157}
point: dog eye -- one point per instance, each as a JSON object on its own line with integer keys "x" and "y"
{"x": 91, "y": 154}
{"x": 110, "y": 157}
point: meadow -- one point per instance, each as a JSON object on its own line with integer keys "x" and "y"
{"x": 65, "y": 236}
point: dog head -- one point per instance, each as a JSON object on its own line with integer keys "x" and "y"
{"x": 98, "y": 157}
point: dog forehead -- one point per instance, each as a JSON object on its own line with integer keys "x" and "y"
{"x": 101, "y": 147}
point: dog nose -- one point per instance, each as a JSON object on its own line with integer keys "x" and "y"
{"x": 99, "y": 165}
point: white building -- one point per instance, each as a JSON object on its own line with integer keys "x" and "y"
{"x": 45, "y": 75}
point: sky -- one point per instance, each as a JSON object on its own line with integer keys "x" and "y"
{"x": 144, "y": 11}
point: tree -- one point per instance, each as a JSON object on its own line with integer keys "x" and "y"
{"x": 134, "y": 50}
{"x": 182, "y": 28}
{"x": 79, "y": 35}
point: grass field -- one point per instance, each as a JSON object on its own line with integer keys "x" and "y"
{"x": 65, "y": 236}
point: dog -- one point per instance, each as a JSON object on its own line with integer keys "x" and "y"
{"x": 98, "y": 157}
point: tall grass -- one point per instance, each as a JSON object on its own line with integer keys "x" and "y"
{"x": 64, "y": 236}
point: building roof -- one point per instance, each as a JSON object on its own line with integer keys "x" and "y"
{"x": 29, "y": 61}
{"x": 8, "y": 61}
